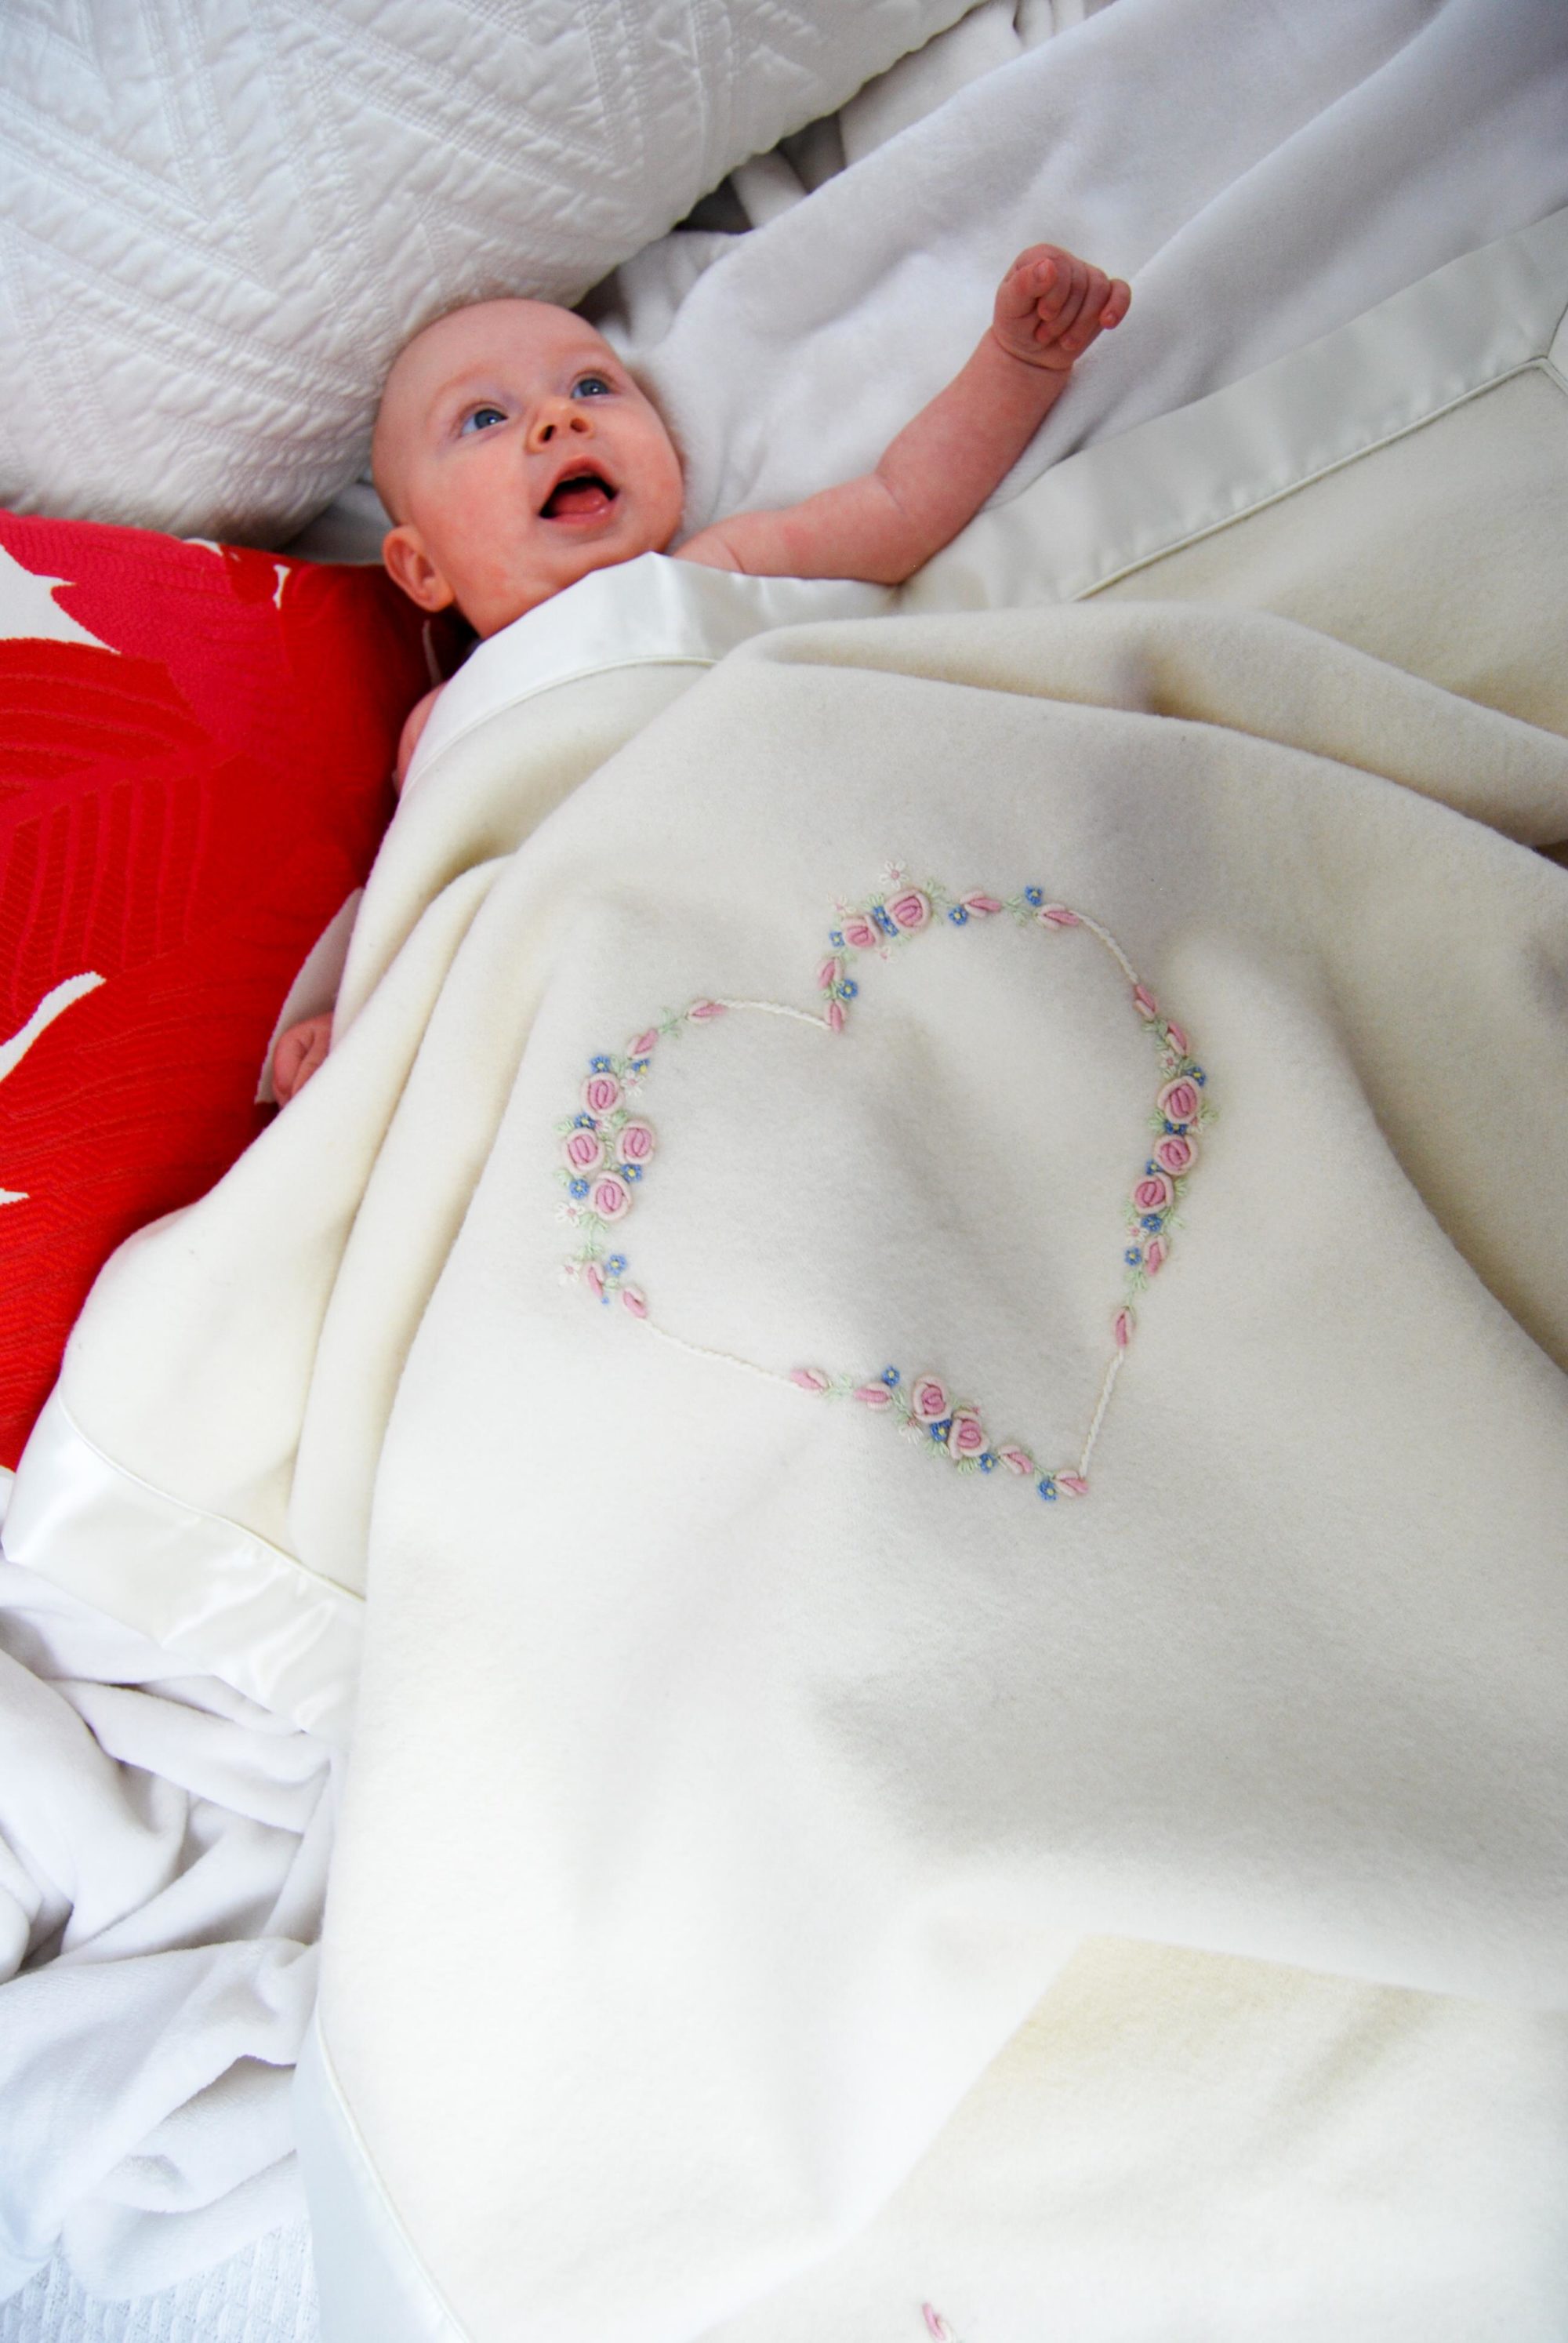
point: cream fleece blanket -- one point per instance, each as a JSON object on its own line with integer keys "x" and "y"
{"x": 741, "y": 1774}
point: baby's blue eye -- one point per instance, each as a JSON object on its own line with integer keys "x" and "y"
{"x": 483, "y": 418}
{"x": 590, "y": 386}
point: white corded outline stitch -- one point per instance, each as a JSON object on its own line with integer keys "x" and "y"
{"x": 55, "y": 1002}
{"x": 606, "y": 1148}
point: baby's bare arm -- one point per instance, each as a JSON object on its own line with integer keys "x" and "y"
{"x": 942, "y": 467}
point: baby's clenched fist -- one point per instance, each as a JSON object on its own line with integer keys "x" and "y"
{"x": 1051, "y": 305}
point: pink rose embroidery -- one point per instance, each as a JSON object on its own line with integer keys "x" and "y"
{"x": 929, "y": 1400}
{"x": 606, "y": 1149}
{"x": 967, "y": 1437}
{"x": 1179, "y": 1100}
{"x": 609, "y": 1197}
{"x": 1176, "y": 1152}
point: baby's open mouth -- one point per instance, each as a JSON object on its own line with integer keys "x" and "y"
{"x": 581, "y": 496}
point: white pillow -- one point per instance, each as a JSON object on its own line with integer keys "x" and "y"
{"x": 219, "y": 221}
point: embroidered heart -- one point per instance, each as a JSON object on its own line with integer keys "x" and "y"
{"x": 607, "y": 1147}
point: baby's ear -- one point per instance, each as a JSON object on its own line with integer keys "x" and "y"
{"x": 409, "y": 566}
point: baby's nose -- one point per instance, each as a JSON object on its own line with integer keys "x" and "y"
{"x": 558, "y": 415}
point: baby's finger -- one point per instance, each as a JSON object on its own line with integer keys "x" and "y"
{"x": 1086, "y": 325}
{"x": 1036, "y": 257}
{"x": 1117, "y": 307}
{"x": 1058, "y": 315}
{"x": 1031, "y": 275}
{"x": 287, "y": 1059}
{"x": 1053, "y": 280}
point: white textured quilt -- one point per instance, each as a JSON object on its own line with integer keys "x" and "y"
{"x": 219, "y": 221}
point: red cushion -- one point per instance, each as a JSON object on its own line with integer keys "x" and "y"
{"x": 185, "y": 801}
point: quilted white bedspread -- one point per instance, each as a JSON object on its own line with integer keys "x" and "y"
{"x": 219, "y": 220}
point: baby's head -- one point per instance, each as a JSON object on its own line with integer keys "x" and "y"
{"x": 514, "y": 453}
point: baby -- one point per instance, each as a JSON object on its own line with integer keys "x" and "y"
{"x": 515, "y": 453}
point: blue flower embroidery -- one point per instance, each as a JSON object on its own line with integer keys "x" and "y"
{"x": 1144, "y": 1243}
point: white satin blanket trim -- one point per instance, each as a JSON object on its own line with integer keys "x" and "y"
{"x": 651, "y": 612}
{"x": 210, "y": 1593}
{"x": 1106, "y": 511}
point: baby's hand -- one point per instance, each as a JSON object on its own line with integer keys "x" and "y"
{"x": 1051, "y": 305}
{"x": 298, "y": 1053}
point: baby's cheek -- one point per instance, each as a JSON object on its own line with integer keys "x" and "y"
{"x": 662, "y": 483}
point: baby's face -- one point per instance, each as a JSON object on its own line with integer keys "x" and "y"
{"x": 516, "y": 454}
